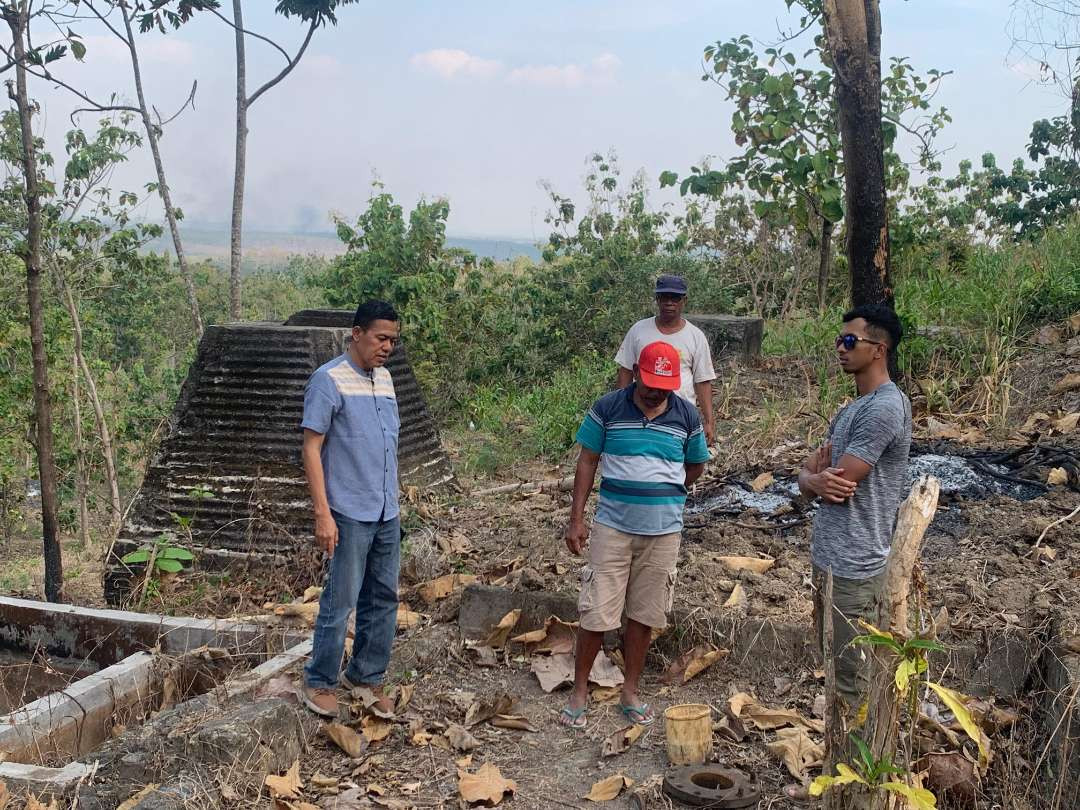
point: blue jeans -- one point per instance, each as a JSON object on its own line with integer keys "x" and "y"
{"x": 363, "y": 574}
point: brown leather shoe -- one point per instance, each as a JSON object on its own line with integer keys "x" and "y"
{"x": 383, "y": 702}
{"x": 321, "y": 701}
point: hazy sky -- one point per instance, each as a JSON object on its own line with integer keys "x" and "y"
{"x": 478, "y": 101}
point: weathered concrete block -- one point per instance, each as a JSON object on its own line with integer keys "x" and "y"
{"x": 482, "y": 606}
{"x": 265, "y": 736}
{"x": 1004, "y": 669}
{"x": 731, "y": 335}
{"x": 1058, "y": 680}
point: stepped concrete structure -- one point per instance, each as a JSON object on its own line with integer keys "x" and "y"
{"x": 227, "y": 480}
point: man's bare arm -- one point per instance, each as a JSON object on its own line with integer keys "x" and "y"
{"x": 703, "y": 392}
{"x": 576, "y": 534}
{"x": 326, "y": 534}
{"x": 624, "y": 378}
{"x": 693, "y": 473}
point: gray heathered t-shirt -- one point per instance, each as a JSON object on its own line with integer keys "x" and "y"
{"x": 853, "y": 538}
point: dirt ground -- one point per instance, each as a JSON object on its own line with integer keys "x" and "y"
{"x": 978, "y": 563}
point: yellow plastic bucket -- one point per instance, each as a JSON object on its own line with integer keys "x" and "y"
{"x": 688, "y": 729}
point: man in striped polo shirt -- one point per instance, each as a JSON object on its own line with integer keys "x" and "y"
{"x": 350, "y": 457}
{"x": 651, "y": 447}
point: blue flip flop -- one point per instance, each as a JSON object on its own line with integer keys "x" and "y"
{"x": 641, "y": 711}
{"x": 575, "y": 717}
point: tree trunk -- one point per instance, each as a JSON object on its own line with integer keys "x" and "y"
{"x": 80, "y": 462}
{"x": 235, "y": 243}
{"x": 853, "y": 31}
{"x": 163, "y": 187}
{"x": 54, "y": 571}
{"x": 824, "y": 263}
{"x": 104, "y": 434}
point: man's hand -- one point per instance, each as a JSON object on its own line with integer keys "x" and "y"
{"x": 821, "y": 459}
{"x": 576, "y": 536}
{"x": 326, "y": 533}
{"x": 710, "y": 433}
{"x": 830, "y": 486}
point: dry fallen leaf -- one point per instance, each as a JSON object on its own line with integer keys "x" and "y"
{"x": 487, "y": 786}
{"x": 1070, "y": 382}
{"x": 607, "y": 789}
{"x": 605, "y": 694}
{"x": 460, "y": 739}
{"x": 737, "y": 597}
{"x": 765, "y": 718}
{"x": 762, "y": 482}
{"x": 1057, "y": 477}
{"x": 32, "y": 803}
{"x": 5, "y": 797}
{"x": 287, "y": 786}
{"x": 406, "y": 619}
{"x": 375, "y": 789}
{"x": 443, "y": 586}
{"x": 312, "y": 593}
{"x": 797, "y": 751}
{"x": 405, "y": 693}
{"x": 691, "y": 663}
{"x": 940, "y": 429}
{"x": 1034, "y": 421}
{"x": 1067, "y": 423}
{"x": 755, "y": 564}
{"x": 482, "y": 710}
{"x": 485, "y": 656}
{"x": 346, "y": 739}
{"x": 555, "y": 637}
{"x": 605, "y": 671}
{"x": 321, "y": 780}
{"x": 138, "y": 797}
{"x": 1047, "y": 335}
{"x": 621, "y": 740}
{"x": 556, "y": 670}
{"x": 513, "y": 721}
{"x": 375, "y": 728}
{"x": 351, "y": 799}
{"x": 497, "y": 638}
{"x": 308, "y": 611}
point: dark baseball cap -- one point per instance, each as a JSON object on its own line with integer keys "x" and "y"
{"x": 671, "y": 285}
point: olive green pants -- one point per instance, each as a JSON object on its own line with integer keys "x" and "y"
{"x": 853, "y": 599}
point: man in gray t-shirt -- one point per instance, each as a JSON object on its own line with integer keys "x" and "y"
{"x": 859, "y": 474}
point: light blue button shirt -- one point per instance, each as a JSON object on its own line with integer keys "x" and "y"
{"x": 357, "y": 412}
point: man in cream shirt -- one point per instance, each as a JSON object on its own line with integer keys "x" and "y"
{"x": 669, "y": 326}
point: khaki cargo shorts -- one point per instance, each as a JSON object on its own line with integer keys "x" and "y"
{"x": 631, "y": 574}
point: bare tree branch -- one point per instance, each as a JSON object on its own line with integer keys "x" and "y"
{"x": 267, "y": 40}
{"x": 288, "y": 68}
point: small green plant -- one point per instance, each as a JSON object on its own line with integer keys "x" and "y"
{"x": 911, "y": 663}
{"x": 163, "y": 557}
{"x": 877, "y": 774}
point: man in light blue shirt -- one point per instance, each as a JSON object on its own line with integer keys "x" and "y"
{"x": 350, "y": 457}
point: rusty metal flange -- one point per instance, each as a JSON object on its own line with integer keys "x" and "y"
{"x": 711, "y": 786}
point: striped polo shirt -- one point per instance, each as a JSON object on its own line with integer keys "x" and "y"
{"x": 642, "y": 461}
{"x": 357, "y": 412}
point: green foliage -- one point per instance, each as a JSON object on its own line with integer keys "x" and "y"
{"x": 167, "y": 557}
{"x": 785, "y": 121}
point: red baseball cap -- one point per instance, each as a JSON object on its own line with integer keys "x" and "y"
{"x": 659, "y": 366}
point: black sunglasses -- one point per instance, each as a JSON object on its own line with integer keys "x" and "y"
{"x": 849, "y": 341}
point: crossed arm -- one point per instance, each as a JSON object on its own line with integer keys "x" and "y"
{"x": 833, "y": 484}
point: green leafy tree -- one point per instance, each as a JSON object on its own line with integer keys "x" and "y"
{"x": 401, "y": 261}
{"x": 786, "y": 122}
{"x": 315, "y": 13}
